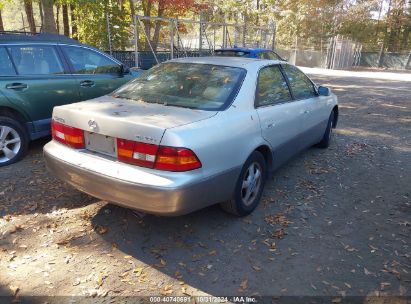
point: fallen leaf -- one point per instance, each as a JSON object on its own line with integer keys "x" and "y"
{"x": 124, "y": 274}
{"x": 138, "y": 271}
{"x": 313, "y": 286}
{"x": 100, "y": 229}
{"x": 367, "y": 272}
{"x": 243, "y": 285}
{"x": 102, "y": 293}
{"x": 14, "y": 290}
{"x": 278, "y": 234}
{"x": 16, "y": 228}
{"x": 402, "y": 290}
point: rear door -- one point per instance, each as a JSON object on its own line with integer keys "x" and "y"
{"x": 40, "y": 82}
{"x": 280, "y": 116}
{"x": 315, "y": 116}
{"x": 96, "y": 74}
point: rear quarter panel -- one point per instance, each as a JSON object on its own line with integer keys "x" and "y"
{"x": 221, "y": 143}
{"x": 5, "y": 103}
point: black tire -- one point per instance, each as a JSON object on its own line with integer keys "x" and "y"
{"x": 325, "y": 141}
{"x": 237, "y": 205}
{"x": 15, "y": 130}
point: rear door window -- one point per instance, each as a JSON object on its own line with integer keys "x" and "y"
{"x": 272, "y": 87}
{"x": 36, "y": 60}
{"x": 261, "y": 55}
{"x": 301, "y": 85}
{"x": 272, "y": 56}
{"x": 86, "y": 61}
{"x": 6, "y": 67}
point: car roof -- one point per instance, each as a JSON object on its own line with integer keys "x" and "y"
{"x": 243, "y": 49}
{"x": 239, "y": 62}
{"x": 25, "y": 37}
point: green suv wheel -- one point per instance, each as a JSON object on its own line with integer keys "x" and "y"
{"x": 13, "y": 140}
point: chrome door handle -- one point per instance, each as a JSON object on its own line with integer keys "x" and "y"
{"x": 271, "y": 125}
{"x": 17, "y": 86}
{"x": 306, "y": 112}
{"x": 87, "y": 83}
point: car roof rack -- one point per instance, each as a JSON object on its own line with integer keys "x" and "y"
{"x": 28, "y": 36}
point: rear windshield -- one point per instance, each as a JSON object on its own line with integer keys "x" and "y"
{"x": 188, "y": 85}
{"x": 231, "y": 53}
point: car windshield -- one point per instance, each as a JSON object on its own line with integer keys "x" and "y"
{"x": 230, "y": 53}
{"x": 188, "y": 85}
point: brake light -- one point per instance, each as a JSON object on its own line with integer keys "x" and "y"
{"x": 157, "y": 157}
{"x": 70, "y": 136}
{"x": 138, "y": 153}
{"x": 176, "y": 159}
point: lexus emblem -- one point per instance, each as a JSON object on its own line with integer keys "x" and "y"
{"x": 92, "y": 124}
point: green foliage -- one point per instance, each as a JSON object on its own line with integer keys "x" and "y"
{"x": 92, "y": 23}
{"x": 307, "y": 23}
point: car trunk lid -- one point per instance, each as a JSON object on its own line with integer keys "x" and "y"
{"x": 127, "y": 119}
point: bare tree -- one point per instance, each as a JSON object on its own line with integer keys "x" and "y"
{"x": 66, "y": 28}
{"x": 49, "y": 24}
{"x": 28, "y": 7}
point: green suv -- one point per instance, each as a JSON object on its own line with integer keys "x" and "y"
{"x": 39, "y": 72}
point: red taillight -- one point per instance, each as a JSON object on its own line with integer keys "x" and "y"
{"x": 176, "y": 159}
{"x": 70, "y": 136}
{"x": 136, "y": 153}
{"x": 157, "y": 157}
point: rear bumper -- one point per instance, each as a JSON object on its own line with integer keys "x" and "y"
{"x": 164, "y": 195}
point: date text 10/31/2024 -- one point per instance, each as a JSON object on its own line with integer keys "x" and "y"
{"x": 202, "y": 299}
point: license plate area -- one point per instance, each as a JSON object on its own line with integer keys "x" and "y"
{"x": 100, "y": 143}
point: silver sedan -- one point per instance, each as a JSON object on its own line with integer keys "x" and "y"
{"x": 190, "y": 133}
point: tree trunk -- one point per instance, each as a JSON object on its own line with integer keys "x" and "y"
{"x": 1, "y": 23}
{"x": 28, "y": 7}
{"x": 66, "y": 29}
{"x": 73, "y": 22}
{"x": 58, "y": 18}
{"x": 147, "y": 23}
{"x": 160, "y": 13}
{"x": 41, "y": 16}
{"x": 49, "y": 22}
{"x": 132, "y": 10}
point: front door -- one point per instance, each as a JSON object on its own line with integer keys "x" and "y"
{"x": 315, "y": 116}
{"x": 96, "y": 73}
{"x": 280, "y": 116}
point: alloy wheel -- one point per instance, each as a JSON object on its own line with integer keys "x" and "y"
{"x": 10, "y": 143}
{"x": 251, "y": 183}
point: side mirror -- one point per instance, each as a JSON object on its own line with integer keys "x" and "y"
{"x": 124, "y": 70}
{"x": 324, "y": 91}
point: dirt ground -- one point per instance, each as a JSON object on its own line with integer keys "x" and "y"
{"x": 331, "y": 222}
